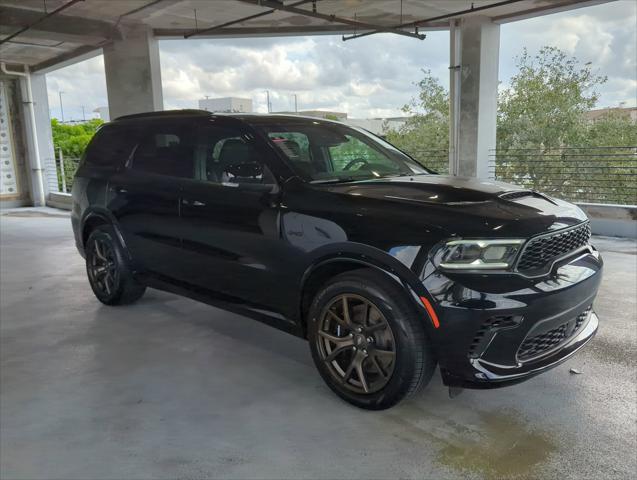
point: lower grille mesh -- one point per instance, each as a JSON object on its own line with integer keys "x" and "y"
{"x": 538, "y": 344}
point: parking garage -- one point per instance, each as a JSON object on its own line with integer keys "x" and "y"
{"x": 173, "y": 388}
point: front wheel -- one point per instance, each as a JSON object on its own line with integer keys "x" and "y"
{"x": 108, "y": 272}
{"x": 367, "y": 340}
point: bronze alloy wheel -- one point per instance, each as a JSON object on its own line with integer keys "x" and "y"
{"x": 102, "y": 267}
{"x": 356, "y": 343}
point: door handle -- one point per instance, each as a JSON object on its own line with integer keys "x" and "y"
{"x": 118, "y": 190}
{"x": 194, "y": 203}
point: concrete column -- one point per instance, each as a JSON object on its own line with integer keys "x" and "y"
{"x": 45, "y": 134}
{"x": 133, "y": 74}
{"x": 476, "y": 115}
{"x": 41, "y": 139}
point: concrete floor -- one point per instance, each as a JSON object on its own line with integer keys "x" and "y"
{"x": 171, "y": 388}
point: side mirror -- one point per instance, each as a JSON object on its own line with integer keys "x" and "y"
{"x": 245, "y": 172}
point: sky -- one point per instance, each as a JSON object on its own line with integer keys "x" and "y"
{"x": 369, "y": 77}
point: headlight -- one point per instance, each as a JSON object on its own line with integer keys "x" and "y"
{"x": 479, "y": 254}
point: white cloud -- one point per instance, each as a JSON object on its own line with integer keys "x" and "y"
{"x": 371, "y": 76}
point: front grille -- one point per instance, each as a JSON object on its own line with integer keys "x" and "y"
{"x": 581, "y": 318}
{"x": 540, "y": 251}
{"x": 538, "y": 344}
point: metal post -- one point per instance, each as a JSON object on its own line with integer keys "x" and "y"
{"x": 62, "y": 171}
{"x": 61, "y": 107}
{"x": 296, "y": 106}
{"x": 455, "y": 66}
{"x": 267, "y": 96}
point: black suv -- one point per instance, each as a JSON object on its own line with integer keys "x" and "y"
{"x": 334, "y": 235}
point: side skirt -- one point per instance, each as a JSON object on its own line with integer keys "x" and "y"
{"x": 224, "y": 302}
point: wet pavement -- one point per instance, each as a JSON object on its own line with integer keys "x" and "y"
{"x": 172, "y": 388}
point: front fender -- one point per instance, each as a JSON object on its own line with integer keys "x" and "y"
{"x": 371, "y": 257}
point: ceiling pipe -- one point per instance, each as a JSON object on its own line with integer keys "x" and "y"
{"x": 420, "y": 23}
{"x": 40, "y": 20}
{"x": 37, "y": 168}
{"x": 240, "y": 20}
{"x": 332, "y": 18}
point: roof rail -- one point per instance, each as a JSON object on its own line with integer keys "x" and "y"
{"x": 165, "y": 113}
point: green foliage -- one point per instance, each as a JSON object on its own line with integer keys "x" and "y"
{"x": 72, "y": 140}
{"x": 544, "y": 106}
{"x": 425, "y": 135}
{"x": 544, "y": 140}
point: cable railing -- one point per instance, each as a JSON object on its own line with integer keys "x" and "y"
{"x": 605, "y": 175}
{"x": 65, "y": 168}
{"x": 578, "y": 174}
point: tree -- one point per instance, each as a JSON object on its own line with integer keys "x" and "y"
{"x": 425, "y": 134}
{"x": 545, "y": 104}
{"x": 544, "y": 140}
{"x": 72, "y": 140}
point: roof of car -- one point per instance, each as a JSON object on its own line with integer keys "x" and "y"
{"x": 256, "y": 118}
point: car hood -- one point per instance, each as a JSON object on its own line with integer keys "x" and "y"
{"x": 467, "y": 206}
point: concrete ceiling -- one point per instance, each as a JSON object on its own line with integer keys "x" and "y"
{"x": 81, "y": 27}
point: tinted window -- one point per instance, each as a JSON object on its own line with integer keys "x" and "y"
{"x": 352, "y": 154}
{"x": 166, "y": 150}
{"x": 232, "y": 157}
{"x": 111, "y": 146}
{"x": 324, "y": 151}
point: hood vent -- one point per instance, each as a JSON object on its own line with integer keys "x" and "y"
{"x": 516, "y": 194}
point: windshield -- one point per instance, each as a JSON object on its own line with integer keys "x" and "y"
{"x": 322, "y": 152}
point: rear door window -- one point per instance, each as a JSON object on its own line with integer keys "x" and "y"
{"x": 166, "y": 149}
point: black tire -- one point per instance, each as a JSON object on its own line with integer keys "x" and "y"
{"x": 109, "y": 274}
{"x": 414, "y": 362}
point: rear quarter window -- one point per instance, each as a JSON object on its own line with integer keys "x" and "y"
{"x": 111, "y": 146}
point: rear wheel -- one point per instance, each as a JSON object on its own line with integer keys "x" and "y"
{"x": 108, "y": 272}
{"x": 368, "y": 341}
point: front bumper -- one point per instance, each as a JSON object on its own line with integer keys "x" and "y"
{"x": 497, "y": 330}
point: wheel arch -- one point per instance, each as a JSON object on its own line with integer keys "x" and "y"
{"x": 335, "y": 263}
{"x": 96, "y": 217}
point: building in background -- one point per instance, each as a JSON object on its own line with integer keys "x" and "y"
{"x": 226, "y": 105}
{"x": 103, "y": 113}
{"x": 601, "y": 113}
{"x": 378, "y": 126}
{"x": 340, "y": 116}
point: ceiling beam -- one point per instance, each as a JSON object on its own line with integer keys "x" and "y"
{"x": 276, "y": 5}
{"x": 78, "y": 27}
{"x": 209, "y": 30}
{"x": 438, "y": 18}
{"x": 152, "y": 8}
{"x": 69, "y": 58}
{"x": 555, "y": 7}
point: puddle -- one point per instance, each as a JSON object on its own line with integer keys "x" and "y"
{"x": 475, "y": 443}
{"x": 506, "y": 448}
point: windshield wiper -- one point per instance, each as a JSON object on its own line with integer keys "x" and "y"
{"x": 338, "y": 180}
